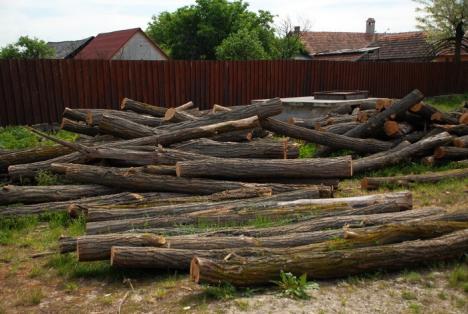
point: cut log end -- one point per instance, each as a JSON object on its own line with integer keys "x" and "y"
{"x": 364, "y": 184}
{"x": 439, "y": 153}
{"x": 170, "y": 113}
{"x": 195, "y": 270}
{"x": 122, "y": 103}
{"x": 391, "y": 128}
{"x": 463, "y": 118}
{"x": 417, "y": 107}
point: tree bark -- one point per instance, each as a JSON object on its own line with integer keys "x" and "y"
{"x": 31, "y": 155}
{"x": 256, "y": 168}
{"x": 325, "y": 138}
{"x": 393, "y": 157}
{"x": 456, "y": 129}
{"x": 94, "y": 116}
{"x": 240, "y": 135}
{"x": 218, "y": 108}
{"x": 134, "y": 180}
{"x": 256, "y": 149}
{"x": 339, "y": 128}
{"x": 430, "y": 113}
{"x": 140, "y": 107}
{"x": 324, "y": 265}
{"x": 10, "y": 194}
{"x": 461, "y": 142}
{"x": 78, "y": 127}
{"x": 174, "y": 115}
{"x": 372, "y": 183}
{"x": 123, "y": 128}
{"x": 449, "y": 153}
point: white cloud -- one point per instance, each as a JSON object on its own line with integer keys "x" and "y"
{"x": 55, "y": 20}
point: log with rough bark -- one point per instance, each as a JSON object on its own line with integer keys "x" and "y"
{"x": 180, "y": 258}
{"x": 78, "y": 127}
{"x": 164, "y": 170}
{"x": 124, "y": 198}
{"x": 123, "y": 128}
{"x": 450, "y": 153}
{"x": 10, "y": 194}
{"x": 395, "y": 129}
{"x": 135, "y": 180}
{"x": 218, "y": 108}
{"x": 240, "y": 135}
{"x": 246, "y": 199}
{"x": 463, "y": 118}
{"x": 255, "y": 149}
{"x": 430, "y": 113}
{"x": 371, "y": 162}
{"x": 237, "y": 168}
{"x": 461, "y": 141}
{"x": 94, "y": 116}
{"x": 140, "y": 107}
{"x": 31, "y": 155}
{"x": 267, "y": 109}
{"x": 331, "y": 264}
{"x": 178, "y": 114}
{"x": 372, "y": 183}
{"x": 337, "y": 141}
{"x": 456, "y": 129}
{"x": 339, "y": 128}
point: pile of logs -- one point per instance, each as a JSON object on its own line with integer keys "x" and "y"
{"x": 151, "y": 183}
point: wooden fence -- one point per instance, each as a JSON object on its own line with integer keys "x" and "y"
{"x": 37, "y": 91}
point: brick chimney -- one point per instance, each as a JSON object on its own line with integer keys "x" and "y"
{"x": 370, "y": 26}
{"x": 297, "y": 30}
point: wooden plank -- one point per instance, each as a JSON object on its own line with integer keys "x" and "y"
{"x": 26, "y": 110}
{"x": 57, "y": 88}
{"x": 48, "y": 78}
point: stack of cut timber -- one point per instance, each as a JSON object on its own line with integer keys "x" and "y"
{"x": 151, "y": 182}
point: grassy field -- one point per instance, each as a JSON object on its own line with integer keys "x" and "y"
{"x": 59, "y": 284}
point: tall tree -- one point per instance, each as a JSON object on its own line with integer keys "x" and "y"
{"x": 27, "y": 48}
{"x": 445, "y": 22}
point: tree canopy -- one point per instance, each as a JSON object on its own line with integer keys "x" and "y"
{"x": 27, "y": 48}
{"x": 217, "y": 29}
{"x": 445, "y": 22}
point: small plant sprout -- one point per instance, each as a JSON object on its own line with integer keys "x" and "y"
{"x": 294, "y": 287}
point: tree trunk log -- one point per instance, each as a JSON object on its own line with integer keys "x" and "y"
{"x": 30, "y": 155}
{"x": 339, "y": 128}
{"x": 94, "y": 116}
{"x": 263, "y": 168}
{"x": 397, "y": 156}
{"x": 449, "y": 153}
{"x": 139, "y": 107}
{"x": 395, "y": 129}
{"x": 174, "y": 115}
{"x": 373, "y": 183}
{"x": 78, "y": 127}
{"x": 463, "y": 118}
{"x": 266, "y": 149}
{"x": 218, "y": 108}
{"x": 325, "y": 138}
{"x": 123, "y": 128}
{"x": 324, "y": 265}
{"x": 457, "y": 129}
{"x": 430, "y": 113}
{"x": 10, "y": 194}
{"x": 461, "y": 141}
{"x": 240, "y": 135}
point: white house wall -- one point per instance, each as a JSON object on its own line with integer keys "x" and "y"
{"x": 139, "y": 48}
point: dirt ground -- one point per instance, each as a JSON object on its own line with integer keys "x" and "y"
{"x": 45, "y": 284}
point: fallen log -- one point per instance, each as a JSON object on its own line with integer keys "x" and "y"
{"x": 218, "y": 108}
{"x": 103, "y": 200}
{"x": 430, "y": 113}
{"x": 134, "y": 180}
{"x": 463, "y": 118}
{"x": 396, "y": 156}
{"x": 339, "y": 128}
{"x": 94, "y": 116}
{"x": 325, "y": 138}
{"x": 256, "y": 149}
{"x": 457, "y": 129}
{"x": 395, "y": 129}
{"x": 461, "y": 141}
{"x": 10, "y": 194}
{"x": 30, "y": 155}
{"x": 449, "y": 153}
{"x": 164, "y": 170}
{"x": 140, "y": 107}
{"x": 339, "y": 167}
{"x": 240, "y": 135}
{"x": 123, "y": 128}
{"x": 78, "y": 127}
{"x": 324, "y": 265}
{"x": 372, "y": 183}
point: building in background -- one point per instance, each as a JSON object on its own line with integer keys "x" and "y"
{"x": 68, "y": 49}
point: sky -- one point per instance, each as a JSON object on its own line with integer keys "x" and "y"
{"x": 55, "y": 20}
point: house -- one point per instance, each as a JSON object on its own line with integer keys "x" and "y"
{"x": 68, "y": 49}
{"x": 372, "y": 46}
{"x": 129, "y": 44}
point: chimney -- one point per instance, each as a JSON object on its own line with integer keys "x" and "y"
{"x": 297, "y": 29}
{"x": 370, "y": 26}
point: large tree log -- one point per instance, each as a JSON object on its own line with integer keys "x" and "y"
{"x": 457, "y": 129}
{"x": 325, "y": 138}
{"x": 240, "y": 135}
{"x": 322, "y": 265}
{"x": 140, "y": 107}
{"x": 256, "y": 168}
{"x": 461, "y": 141}
{"x": 78, "y": 127}
{"x": 104, "y": 200}
{"x": 375, "y": 162}
{"x": 450, "y": 153}
{"x": 94, "y": 116}
{"x": 123, "y": 128}
{"x": 372, "y": 183}
{"x": 173, "y": 258}
{"x": 30, "y": 155}
{"x": 135, "y": 180}
{"x": 255, "y": 149}
{"x": 430, "y": 113}
{"x": 10, "y": 194}
{"x": 269, "y": 108}
{"x": 339, "y": 128}
{"x": 218, "y": 202}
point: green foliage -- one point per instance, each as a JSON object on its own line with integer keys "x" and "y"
{"x": 294, "y": 287}
{"x": 408, "y": 295}
{"x": 32, "y": 296}
{"x": 27, "y": 48}
{"x": 44, "y": 177}
{"x": 242, "y": 45}
{"x": 447, "y": 103}
{"x": 221, "y": 29}
{"x": 18, "y": 137}
{"x": 307, "y": 150}
{"x": 459, "y": 277}
{"x": 224, "y": 291}
{"x": 445, "y": 22}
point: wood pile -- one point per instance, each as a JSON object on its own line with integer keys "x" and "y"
{"x": 147, "y": 179}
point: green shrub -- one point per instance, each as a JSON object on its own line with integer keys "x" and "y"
{"x": 294, "y": 287}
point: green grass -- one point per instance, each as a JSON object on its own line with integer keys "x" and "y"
{"x": 30, "y": 297}
{"x": 295, "y": 287}
{"x": 307, "y": 150}
{"x": 447, "y": 103}
{"x": 44, "y": 177}
{"x": 224, "y": 291}
{"x": 408, "y": 295}
{"x": 18, "y": 137}
{"x": 459, "y": 277}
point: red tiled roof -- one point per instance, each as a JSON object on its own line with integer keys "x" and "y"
{"x": 340, "y": 57}
{"x": 316, "y": 42}
{"x": 408, "y": 45}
